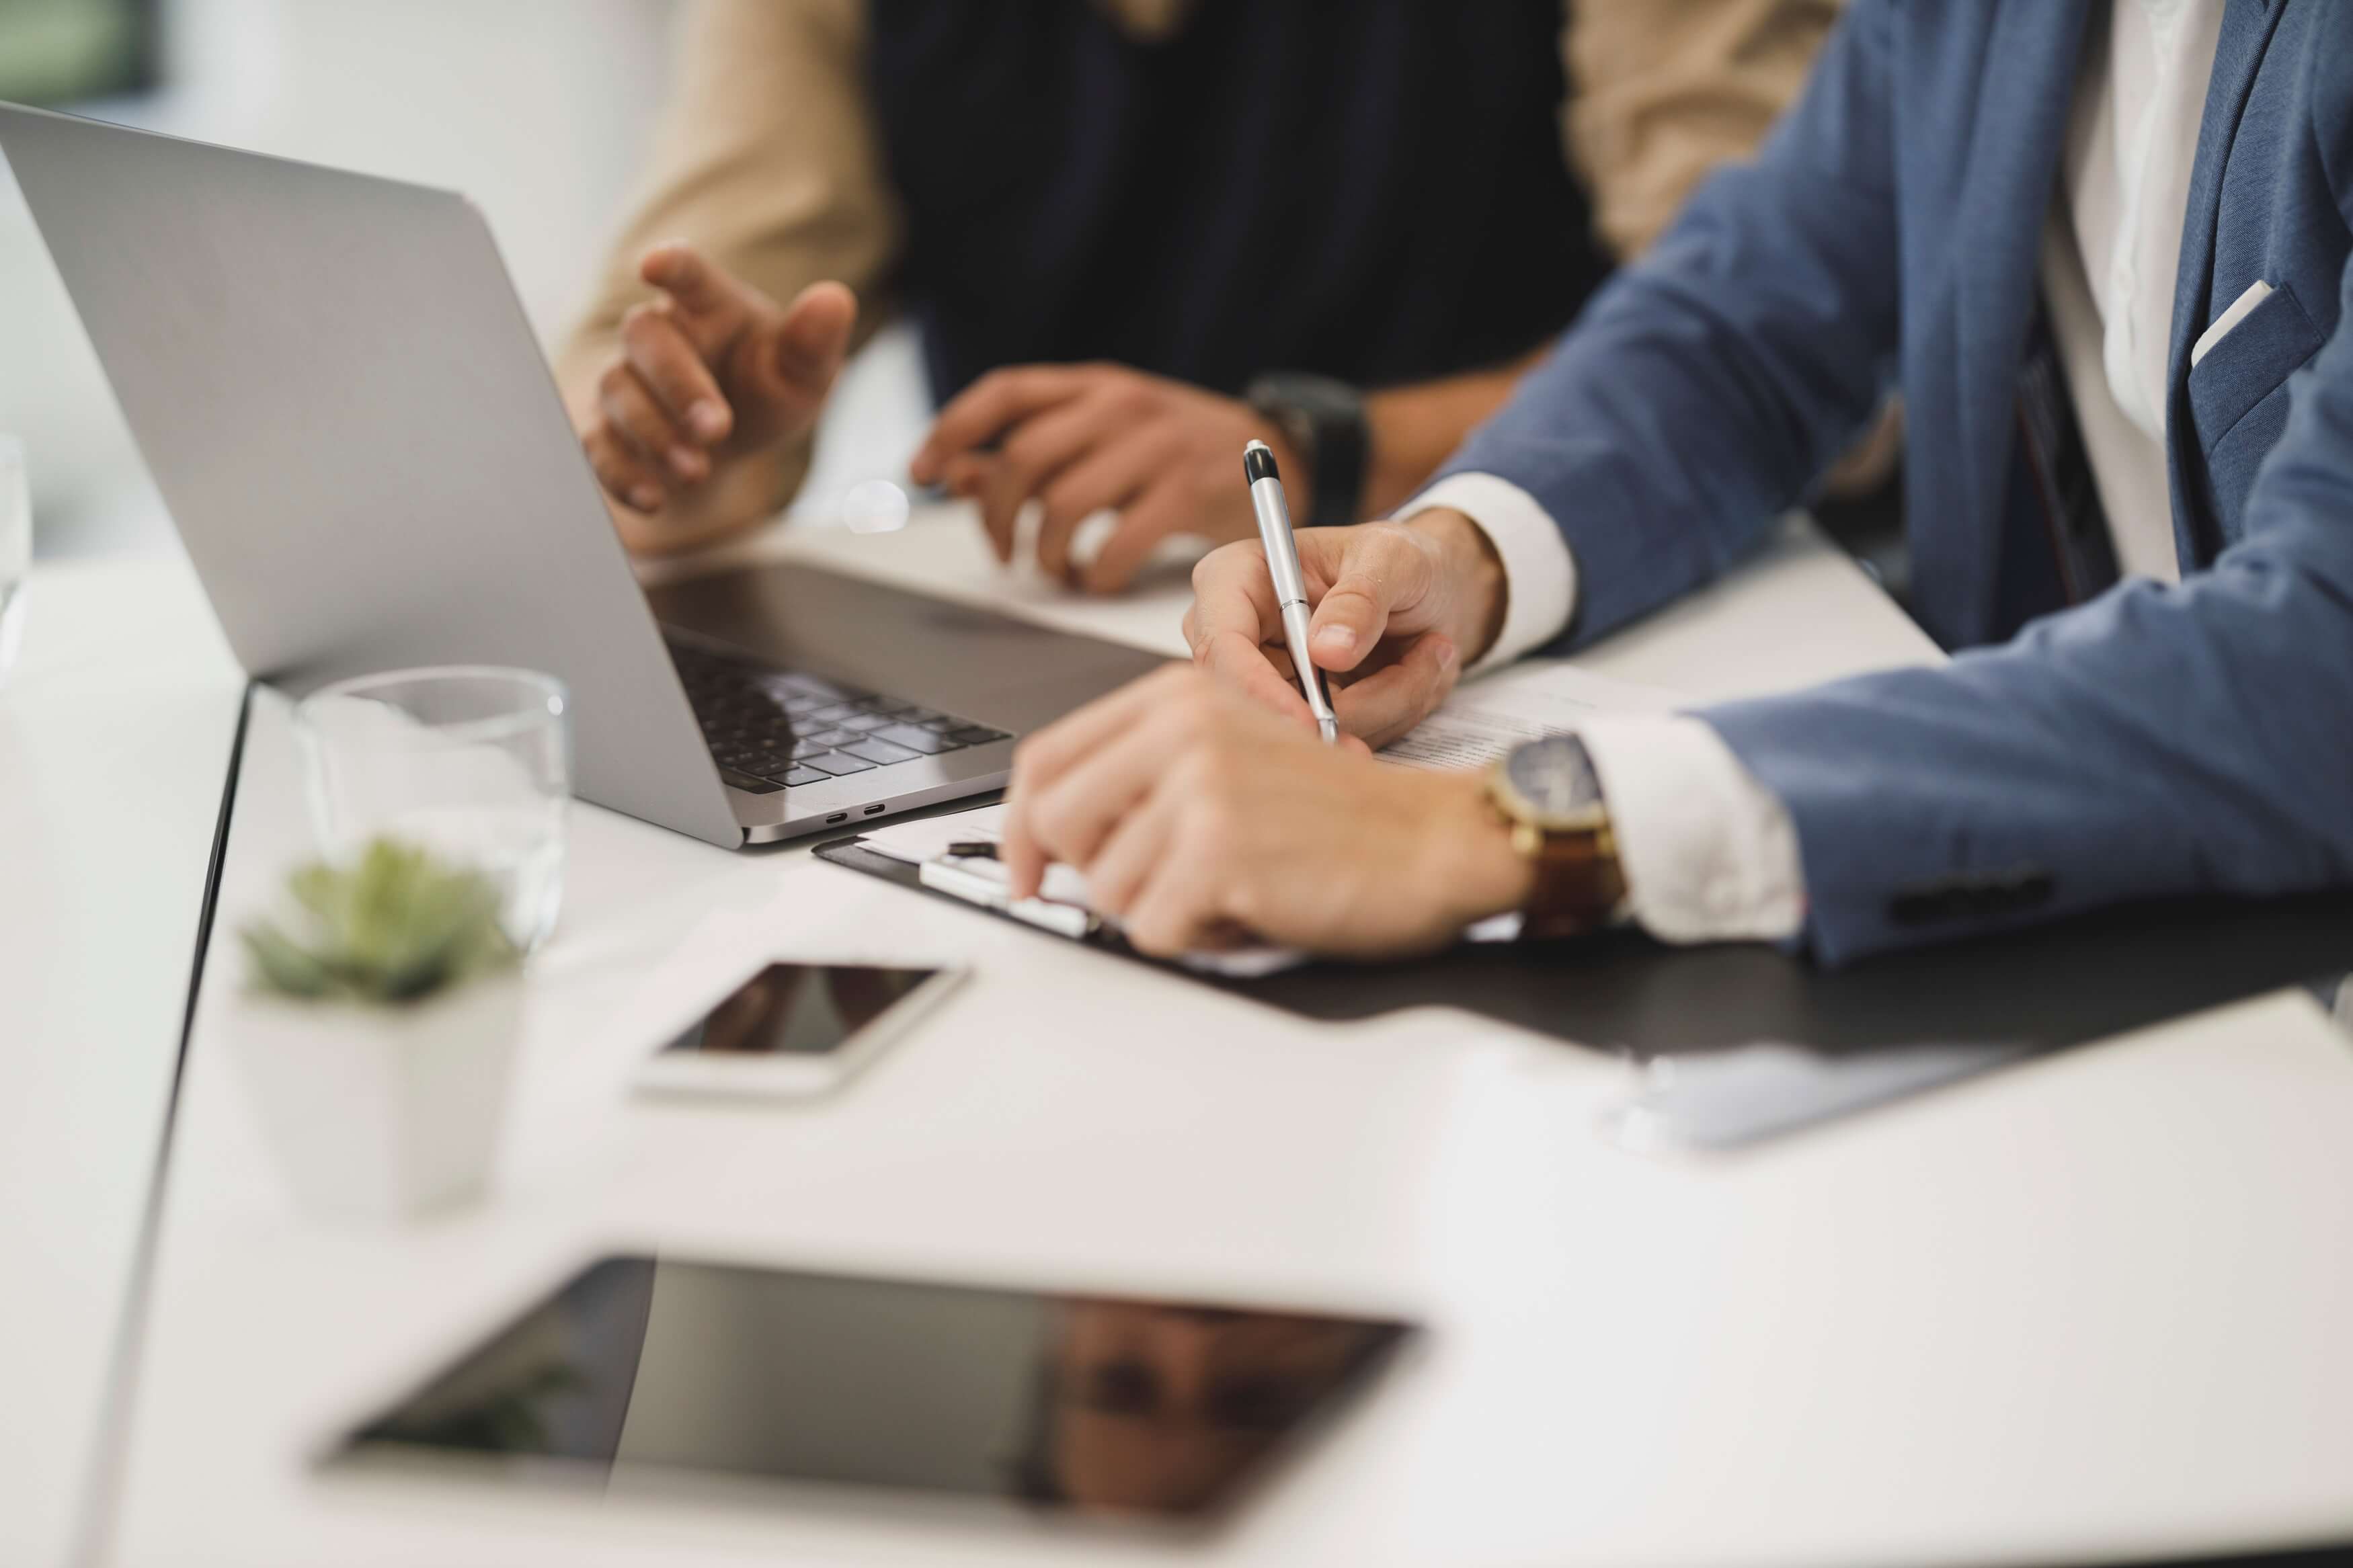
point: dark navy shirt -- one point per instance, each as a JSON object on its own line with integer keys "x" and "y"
{"x": 1369, "y": 189}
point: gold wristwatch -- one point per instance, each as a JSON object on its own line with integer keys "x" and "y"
{"x": 1548, "y": 794}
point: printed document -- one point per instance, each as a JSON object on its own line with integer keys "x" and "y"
{"x": 1531, "y": 700}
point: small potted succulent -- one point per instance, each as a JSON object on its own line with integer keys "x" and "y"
{"x": 378, "y": 1030}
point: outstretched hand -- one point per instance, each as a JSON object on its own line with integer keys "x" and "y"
{"x": 711, "y": 371}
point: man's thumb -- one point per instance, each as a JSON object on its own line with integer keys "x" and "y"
{"x": 1354, "y": 612}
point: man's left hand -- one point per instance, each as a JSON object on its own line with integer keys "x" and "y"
{"x": 1201, "y": 819}
{"x": 1082, "y": 438}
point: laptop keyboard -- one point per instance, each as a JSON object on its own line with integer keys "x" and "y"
{"x": 770, "y": 728}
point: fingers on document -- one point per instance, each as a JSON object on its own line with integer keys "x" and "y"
{"x": 1179, "y": 908}
{"x": 1133, "y": 851}
{"x": 1077, "y": 440}
{"x": 1036, "y": 451}
{"x": 1137, "y": 791}
{"x": 1005, "y": 438}
{"x": 1075, "y": 814}
{"x": 977, "y": 416}
{"x": 1162, "y": 512}
{"x": 1113, "y": 468}
{"x": 1041, "y": 759}
{"x": 1384, "y": 702}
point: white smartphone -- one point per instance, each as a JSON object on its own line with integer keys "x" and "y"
{"x": 794, "y": 1030}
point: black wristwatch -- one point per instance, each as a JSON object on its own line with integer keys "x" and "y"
{"x": 1323, "y": 421}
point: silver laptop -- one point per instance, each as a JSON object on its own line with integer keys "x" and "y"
{"x": 346, "y": 411}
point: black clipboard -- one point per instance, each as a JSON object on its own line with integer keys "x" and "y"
{"x": 2035, "y": 990}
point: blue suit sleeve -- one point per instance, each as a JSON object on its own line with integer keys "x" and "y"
{"x": 1705, "y": 388}
{"x": 2158, "y": 740}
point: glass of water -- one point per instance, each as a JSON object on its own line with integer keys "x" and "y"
{"x": 16, "y": 548}
{"x": 472, "y": 762}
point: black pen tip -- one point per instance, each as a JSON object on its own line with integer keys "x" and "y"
{"x": 1257, "y": 462}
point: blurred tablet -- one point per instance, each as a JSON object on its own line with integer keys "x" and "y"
{"x": 648, "y": 1371}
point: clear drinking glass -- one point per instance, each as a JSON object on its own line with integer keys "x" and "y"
{"x": 473, "y": 763}
{"x": 16, "y": 548}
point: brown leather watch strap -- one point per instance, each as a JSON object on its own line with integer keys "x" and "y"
{"x": 1578, "y": 883}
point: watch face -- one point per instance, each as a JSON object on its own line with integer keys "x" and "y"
{"x": 1556, "y": 778}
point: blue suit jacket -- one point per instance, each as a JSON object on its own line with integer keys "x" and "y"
{"x": 2154, "y": 741}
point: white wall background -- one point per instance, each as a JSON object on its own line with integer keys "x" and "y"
{"x": 539, "y": 109}
{"x": 536, "y": 109}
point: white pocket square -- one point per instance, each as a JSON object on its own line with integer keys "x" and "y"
{"x": 2257, "y": 292}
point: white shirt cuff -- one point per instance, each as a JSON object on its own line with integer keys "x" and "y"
{"x": 1708, "y": 853}
{"x": 1539, "y": 572}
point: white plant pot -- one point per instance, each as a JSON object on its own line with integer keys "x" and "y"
{"x": 382, "y": 1112}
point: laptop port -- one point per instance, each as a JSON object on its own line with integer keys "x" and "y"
{"x": 837, "y": 816}
{"x": 872, "y": 809}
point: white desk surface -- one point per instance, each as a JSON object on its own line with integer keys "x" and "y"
{"x": 115, "y": 732}
{"x": 1797, "y": 613}
{"x": 2098, "y": 1304}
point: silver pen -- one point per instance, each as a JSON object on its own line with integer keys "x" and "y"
{"x": 1283, "y": 566}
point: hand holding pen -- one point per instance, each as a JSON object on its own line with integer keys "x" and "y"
{"x": 1290, "y": 589}
{"x": 1400, "y": 607}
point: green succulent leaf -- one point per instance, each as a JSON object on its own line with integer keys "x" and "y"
{"x": 280, "y": 965}
{"x": 395, "y": 926}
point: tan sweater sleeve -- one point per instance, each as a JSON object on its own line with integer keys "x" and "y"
{"x": 768, "y": 158}
{"x": 1660, "y": 91}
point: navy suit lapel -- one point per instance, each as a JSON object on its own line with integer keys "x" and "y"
{"x": 2247, "y": 27}
{"x": 2018, "y": 131}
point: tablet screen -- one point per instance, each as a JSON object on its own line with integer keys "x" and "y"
{"x": 643, "y": 1367}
